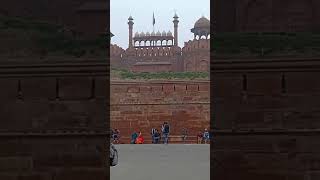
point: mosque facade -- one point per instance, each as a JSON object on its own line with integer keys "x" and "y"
{"x": 159, "y": 51}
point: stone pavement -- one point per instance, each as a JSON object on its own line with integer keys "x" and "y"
{"x": 174, "y": 161}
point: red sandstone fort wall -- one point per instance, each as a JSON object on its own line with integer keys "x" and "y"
{"x": 266, "y": 118}
{"x": 85, "y": 16}
{"x": 261, "y": 15}
{"x": 145, "y": 105}
{"x": 151, "y": 56}
{"x": 196, "y": 55}
{"x": 53, "y": 121}
{"x": 116, "y": 53}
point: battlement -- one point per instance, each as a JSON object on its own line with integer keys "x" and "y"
{"x": 116, "y": 50}
{"x": 163, "y": 92}
{"x": 195, "y": 45}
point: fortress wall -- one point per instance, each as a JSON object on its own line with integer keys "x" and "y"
{"x": 156, "y": 51}
{"x": 266, "y": 118}
{"x": 53, "y": 121}
{"x": 145, "y": 105}
{"x": 116, "y": 54}
{"x": 196, "y": 45}
{"x": 63, "y": 12}
{"x": 196, "y": 55}
{"x": 268, "y": 16}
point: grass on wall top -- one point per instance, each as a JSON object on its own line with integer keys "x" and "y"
{"x": 127, "y": 75}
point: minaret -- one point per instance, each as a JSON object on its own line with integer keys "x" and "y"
{"x": 175, "y": 22}
{"x": 130, "y": 23}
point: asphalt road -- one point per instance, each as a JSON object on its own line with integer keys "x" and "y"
{"x": 162, "y": 162}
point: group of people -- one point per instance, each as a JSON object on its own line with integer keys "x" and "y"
{"x": 163, "y": 134}
{"x": 137, "y": 138}
{"x": 156, "y": 135}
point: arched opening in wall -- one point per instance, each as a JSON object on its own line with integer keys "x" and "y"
{"x": 136, "y": 43}
{"x": 147, "y": 43}
{"x": 159, "y": 43}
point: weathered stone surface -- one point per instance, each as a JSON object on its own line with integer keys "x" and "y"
{"x": 158, "y": 102}
{"x": 54, "y": 122}
{"x": 267, "y": 128}
{"x": 265, "y": 16}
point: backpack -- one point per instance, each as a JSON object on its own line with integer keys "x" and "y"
{"x": 156, "y": 134}
{"x": 166, "y": 128}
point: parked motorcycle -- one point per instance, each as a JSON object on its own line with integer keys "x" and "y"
{"x": 113, "y": 155}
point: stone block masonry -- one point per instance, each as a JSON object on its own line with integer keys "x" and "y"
{"x": 141, "y": 106}
{"x": 266, "y": 119}
{"x": 53, "y": 121}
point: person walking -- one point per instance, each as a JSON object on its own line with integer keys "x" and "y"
{"x": 165, "y": 132}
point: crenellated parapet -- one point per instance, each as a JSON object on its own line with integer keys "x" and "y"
{"x": 196, "y": 45}
{"x": 116, "y": 51}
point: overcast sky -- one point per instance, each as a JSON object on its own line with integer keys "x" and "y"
{"x": 189, "y": 11}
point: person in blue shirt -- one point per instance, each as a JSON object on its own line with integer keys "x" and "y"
{"x": 206, "y": 136}
{"x": 165, "y": 132}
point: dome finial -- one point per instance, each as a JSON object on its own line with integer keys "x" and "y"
{"x": 175, "y": 14}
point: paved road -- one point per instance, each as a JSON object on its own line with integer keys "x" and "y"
{"x": 162, "y": 162}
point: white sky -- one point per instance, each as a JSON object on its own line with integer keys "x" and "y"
{"x": 189, "y": 11}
